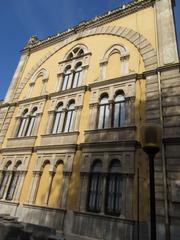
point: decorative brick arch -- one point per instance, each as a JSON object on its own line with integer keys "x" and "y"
{"x": 139, "y": 41}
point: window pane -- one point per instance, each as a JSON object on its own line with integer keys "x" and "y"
{"x": 119, "y": 98}
{"x": 95, "y": 192}
{"x": 122, "y": 113}
{"x": 12, "y": 186}
{"x": 76, "y": 79}
{"x": 65, "y": 82}
{"x": 21, "y": 127}
{"x": 30, "y": 126}
{"x": 4, "y": 181}
{"x": 106, "y": 117}
{"x": 119, "y": 114}
{"x": 56, "y": 126}
{"x": 68, "y": 121}
{"x": 101, "y": 117}
{"x": 114, "y": 194}
{"x": 70, "y": 78}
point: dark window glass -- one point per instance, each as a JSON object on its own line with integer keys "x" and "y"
{"x": 12, "y": 185}
{"x": 57, "y": 128}
{"x": 114, "y": 190}
{"x": 4, "y": 181}
{"x": 95, "y": 188}
{"x": 103, "y": 113}
{"x": 119, "y": 111}
{"x": 69, "y": 118}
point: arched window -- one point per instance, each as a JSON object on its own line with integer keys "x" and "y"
{"x": 31, "y": 123}
{"x": 95, "y": 187}
{"x": 119, "y": 110}
{"x": 27, "y": 123}
{"x": 57, "y": 128}
{"x": 68, "y": 77}
{"x": 69, "y": 118}
{"x": 23, "y": 124}
{"x": 114, "y": 189}
{"x": 13, "y": 183}
{"x": 73, "y": 68}
{"x": 103, "y": 120}
{"x": 77, "y": 75}
{"x": 4, "y": 179}
{"x": 76, "y": 52}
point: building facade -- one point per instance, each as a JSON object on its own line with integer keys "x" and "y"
{"x": 70, "y": 152}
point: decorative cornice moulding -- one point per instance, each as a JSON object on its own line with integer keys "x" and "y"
{"x": 126, "y": 9}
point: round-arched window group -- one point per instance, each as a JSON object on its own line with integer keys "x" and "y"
{"x": 63, "y": 118}
{"x": 9, "y": 180}
{"x": 72, "y": 76}
{"x": 27, "y": 123}
{"x": 113, "y": 183}
{"x": 116, "y": 117}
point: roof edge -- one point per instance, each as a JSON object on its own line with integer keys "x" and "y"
{"x": 126, "y": 9}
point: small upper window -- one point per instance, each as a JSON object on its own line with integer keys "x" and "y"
{"x": 76, "y": 52}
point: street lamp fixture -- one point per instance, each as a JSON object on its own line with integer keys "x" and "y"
{"x": 151, "y": 137}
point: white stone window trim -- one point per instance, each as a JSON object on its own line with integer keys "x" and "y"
{"x": 31, "y": 124}
{"x": 44, "y": 73}
{"x": 83, "y": 59}
{"x": 124, "y": 58}
{"x": 75, "y": 118}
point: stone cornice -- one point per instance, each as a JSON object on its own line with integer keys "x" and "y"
{"x": 133, "y": 76}
{"x": 15, "y": 149}
{"x": 56, "y": 147}
{"x": 95, "y": 84}
{"x": 161, "y": 69}
{"x": 68, "y": 91}
{"x": 33, "y": 99}
{"x": 124, "y": 10}
{"x": 132, "y": 143}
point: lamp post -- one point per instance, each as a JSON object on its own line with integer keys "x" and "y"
{"x": 151, "y": 135}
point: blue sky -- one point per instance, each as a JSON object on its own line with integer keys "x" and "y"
{"x": 20, "y": 19}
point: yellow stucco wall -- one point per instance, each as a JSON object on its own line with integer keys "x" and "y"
{"x": 97, "y": 45}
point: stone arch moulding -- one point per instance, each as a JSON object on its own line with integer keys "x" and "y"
{"x": 42, "y": 72}
{"x": 145, "y": 48}
{"x": 79, "y": 45}
{"x": 124, "y": 58}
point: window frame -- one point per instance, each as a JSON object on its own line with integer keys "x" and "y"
{"x": 69, "y": 118}
{"x": 104, "y": 117}
{"x": 57, "y": 120}
{"x": 121, "y": 111}
{"x": 98, "y": 177}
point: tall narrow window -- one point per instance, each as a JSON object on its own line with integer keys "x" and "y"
{"x": 23, "y": 124}
{"x": 119, "y": 111}
{"x": 57, "y": 128}
{"x": 13, "y": 183}
{"x": 4, "y": 179}
{"x": 103, "y": 120}
{"x": 114, "y": 189}
{"x": 68, "y": 77}
{"x": 77, "y": 75}
{"x": 31, "y": 123}
{"x": 69, "y": 118}
{"x": 95, "y": 187}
